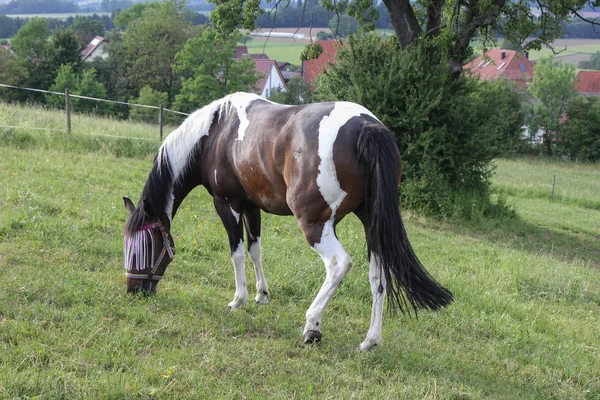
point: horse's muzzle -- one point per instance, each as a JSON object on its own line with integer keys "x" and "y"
{"x": 143, "y": 286}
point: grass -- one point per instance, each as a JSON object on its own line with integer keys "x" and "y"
{"x": 524, "y": 324}
{"x": 277, "y": 49}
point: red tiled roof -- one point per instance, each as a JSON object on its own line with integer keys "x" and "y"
{"x": 588, "y": 82}
{"x": 312, "y": 68}
{"x": 498, "y": 63}
{"x": 263, "y": 67}
{"x": 93, "y": 45}
{"x": 240, "y": 51}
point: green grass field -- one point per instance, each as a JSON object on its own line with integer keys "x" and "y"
{"x": 525, "y": 324}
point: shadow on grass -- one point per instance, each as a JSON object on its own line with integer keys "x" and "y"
{"x": 513, "y": 231}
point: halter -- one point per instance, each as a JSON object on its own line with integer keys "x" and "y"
{"x": 166, "y": 249}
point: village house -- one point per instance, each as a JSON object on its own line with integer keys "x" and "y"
{"x": 94, "y": 50}
{"x": 587, "y": 83}
{"x": 501, "y": 63}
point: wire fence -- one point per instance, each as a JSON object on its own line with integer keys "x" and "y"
{"x": 158, "y": 119}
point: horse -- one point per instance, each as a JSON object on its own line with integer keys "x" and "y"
{"x": 317, "y": 162}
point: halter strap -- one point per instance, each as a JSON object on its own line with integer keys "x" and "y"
{"x": 165, "y": 250}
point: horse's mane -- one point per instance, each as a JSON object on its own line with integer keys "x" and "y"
{"x": 154, "y": 196}
{"x": 177, "y": 153}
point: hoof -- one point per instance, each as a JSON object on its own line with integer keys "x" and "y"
{"x": 367, "y": 346}
{"x": 312, "y": 337}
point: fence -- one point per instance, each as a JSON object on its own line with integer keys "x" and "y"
{"x": 68, "y": 109}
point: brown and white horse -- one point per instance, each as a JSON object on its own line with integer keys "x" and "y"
{"x": 317, "y": 162}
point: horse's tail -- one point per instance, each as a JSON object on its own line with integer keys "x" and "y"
{"x": 407, "y": 279}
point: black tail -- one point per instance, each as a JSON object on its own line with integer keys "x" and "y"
{"x": 407, "y": 279}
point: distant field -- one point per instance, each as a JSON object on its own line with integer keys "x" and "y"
{"x": 59, "y": 15}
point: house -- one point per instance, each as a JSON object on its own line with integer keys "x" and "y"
{"x": 501, "y": 63}
{"x": 94, "y": 50}
{"x": 272, "y": 78}
{"x": 587, "y": 83}
{"x": 312, "y": 68}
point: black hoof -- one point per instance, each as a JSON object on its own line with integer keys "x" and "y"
{"x": 312, "y": 337}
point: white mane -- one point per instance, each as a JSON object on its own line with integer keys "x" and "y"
{"x": 179, "y": 144}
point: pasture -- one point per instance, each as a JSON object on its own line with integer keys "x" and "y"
{"x": 525, "y": 323}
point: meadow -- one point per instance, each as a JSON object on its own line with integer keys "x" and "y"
{"x": 525, "y": 323}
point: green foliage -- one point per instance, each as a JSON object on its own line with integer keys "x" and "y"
{"x": 150, "y": 45}
{"x": 66, "y": 78}
{"x": 31, "y": 41}
{"x": 592, "y": 63}
{"x": 13, "y": 71}
{"x": 123, "y": 18}
{"x": 89, "y": 86}
{"x": 311, "y": 51}
{"x": 448, "y": 130}
{"x": 343, "y": 25}
{"x": 322, "y": 35}
{"x": 553, "y": 87}
{"x": 64, "y": 49}
{"x": 580, "y": 137}
{"x": 210, "y": 71}
{"x": 87, "y": 29}
{"x": 297, "y": 93}
{"x": 149, "y": 97}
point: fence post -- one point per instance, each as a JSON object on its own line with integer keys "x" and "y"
{"x": 160, "y": 121}
{"x": 68, "y": 109}
{"x": 553, "y": 182}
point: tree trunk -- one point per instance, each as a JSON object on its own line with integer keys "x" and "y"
{"x": 404, "y": 20}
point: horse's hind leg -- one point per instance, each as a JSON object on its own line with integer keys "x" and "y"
{"x": 378, "y": 288}
{"x": 233, "y": 225}
{"x": 252, "y": 222}
{"x": 337, "y": 263}
{"x": 378, "y": 282}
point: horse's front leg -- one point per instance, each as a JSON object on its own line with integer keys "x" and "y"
{"x": 252, "y": 222}
{"x": 337, "y": 263}
{"x": 232, "y": 221}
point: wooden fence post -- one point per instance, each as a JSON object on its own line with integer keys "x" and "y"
{"x": 160, "y": 121}
{"x": 68, "y": 109}
{"x": 553, "y": 182}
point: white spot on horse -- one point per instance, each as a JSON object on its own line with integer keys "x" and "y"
{"x": 216, "y": 183}
{"x": 327, "y": 181}
{"x": 235, "y": 214}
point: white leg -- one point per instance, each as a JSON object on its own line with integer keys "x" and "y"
{"x": 337, "y": 264}
{"x": 262, "y": 290}
{"x": 241, "y": 291}
{"x": 378, "y": 284}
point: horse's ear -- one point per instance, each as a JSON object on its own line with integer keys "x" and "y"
{"x": 129, "y": 206}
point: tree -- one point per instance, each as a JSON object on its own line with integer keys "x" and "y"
{"x": 8, "y": 27}
{"x": 64, "y": 49}
{"x": 553, "y": 87}
{"x": 13, "y": 71}
{"x": 457, "y": 22}
{"x": 89, "y": 86}
{"x": 125, "y": 17}
{"x": 87, "y": 29}
{"x": 150, "y": 45}
{"x": 592, "y": 63}
{"x": 31, "y": 41}
{"x": 448, "y": 130}
{"x": 210, "y": 71}
{"x": 148, "y": 97}
{"x": 581, "y": 133}
{"x": 66, "y": 78}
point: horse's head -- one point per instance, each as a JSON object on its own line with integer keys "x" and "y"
{"x": 149, "y": 249}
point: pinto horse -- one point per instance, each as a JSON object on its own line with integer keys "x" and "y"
{"x": 318, "y": 162}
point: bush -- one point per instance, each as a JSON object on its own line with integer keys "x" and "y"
{"x": 581, "y": 135}
{"x": 448, "y": 129}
